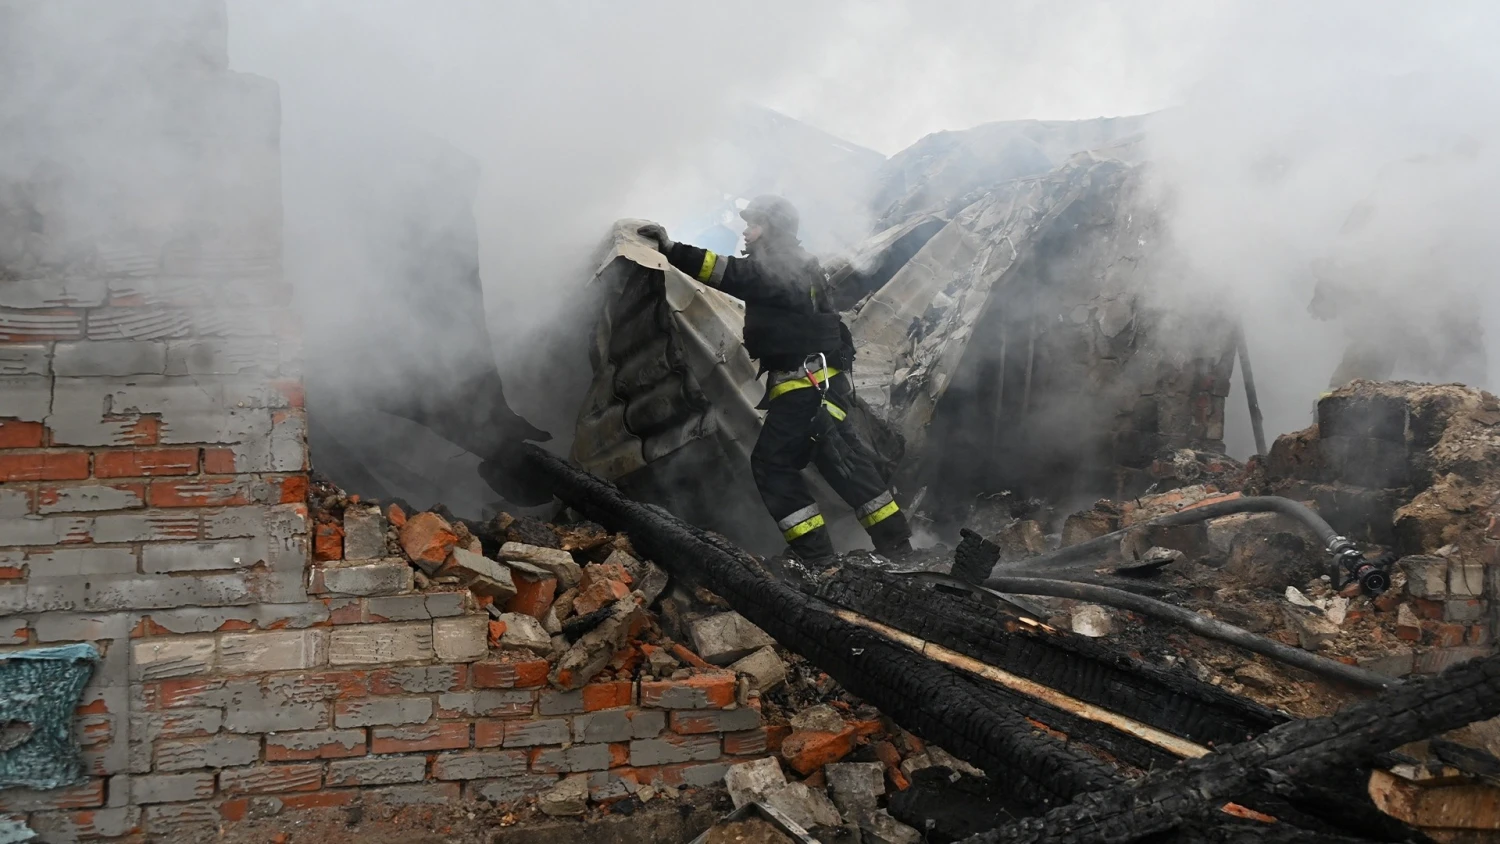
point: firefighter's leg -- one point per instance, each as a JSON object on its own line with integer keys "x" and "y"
{"x": 848, "y": 464}
{"x": 782, "y": 451}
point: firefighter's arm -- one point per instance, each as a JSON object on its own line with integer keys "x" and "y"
{"x": 735, "y": 276}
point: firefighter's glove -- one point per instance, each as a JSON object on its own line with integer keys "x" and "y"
{"x": 654, "y": 231}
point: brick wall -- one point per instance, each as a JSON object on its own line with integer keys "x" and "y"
{"x": 153, "y": 500}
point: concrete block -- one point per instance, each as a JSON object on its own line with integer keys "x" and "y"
{"x": 115, "y": 822}
{"x": 171, "y": 656}
{"x": 488, "y": 764}
{"x": 150, "y": 526}
{"x": 265, "y": 714}
{"x": 1464, "y": 609}
{"x": 483, "y": 576}
{"x": 764, "y": 668}
{"x": 27, "y": 398}
{"x": 53, "y": 292}
{"x": 217, "y": 752}
{"x": 429, "y": 794}
{"x": 619, "y": 725}
{"x": 462, "y": 639}
{"x": 50, "y": 530}
{"x": 364, "y": 532}
{"x": 222, "y": 356}
{"x": 523, "y": 631}
{"x": 701, "y": 721}
{"x": 273, "y": 650}
{"x": 724, "y": 638}
{"x": 703, "y": 776}
{"x": 1092, "y": 620}
{"x": 366, "y": 579}
{"x": 78, "y": 627}
{"x": 92, "y": 498}
{"x": 579, "y": 757}
{"x": 27, "y": 359}
{"x": 1439, "y": 660}
{"x": 510, "y": 790}
{"x": 72, "y": 562}
{"x": 490, "y": 703}
{"x": 1465, "y": 578}
{"x": 558, "y": 563}
{"x": 368, "y": 644}
{"x": 203, "y": 556}
{"x": 855, "y": 785}
{"x": 751, "y": 781}
{"x": 566, "y": 799}
{"x": 171, "y": 788}
{"x": 805, "y": 806}
{"x": 1396, "y": 662}
{"x": 670, "y": 750}
{"x": 376, "y": 770}
{"x": 376, "y": 712}
{"x": 1426, "y": 577}
{"x": 876, "y": 826}
{"x": 444, "y": 604}
{"x": 1312, "y": 631}
{"x": 536, "y": 733}
{"x": 109, "y": 357}
{"x": 14, "y": 503}
{"x": 148, "y": 592}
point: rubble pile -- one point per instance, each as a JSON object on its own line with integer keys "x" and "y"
{"x": 1411, "y": 472}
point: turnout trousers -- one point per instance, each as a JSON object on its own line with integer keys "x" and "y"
{"x": 807, "y": 425}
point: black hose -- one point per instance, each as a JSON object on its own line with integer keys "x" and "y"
{"x": 1202, "y": 625}
{"x": 1336, "y": 544}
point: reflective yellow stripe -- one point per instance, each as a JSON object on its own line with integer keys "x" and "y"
{"x": 798, "y": 383}
{"x": 880, "y": 515}
{"x": 834, "y": 410}
{"x": 804, "y": 527}
{"x": 707, "y": 270}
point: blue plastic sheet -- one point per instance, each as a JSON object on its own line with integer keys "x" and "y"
{"x": 39, "y": 690}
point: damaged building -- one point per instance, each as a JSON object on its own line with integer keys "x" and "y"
{"x": 1124, "y": 635}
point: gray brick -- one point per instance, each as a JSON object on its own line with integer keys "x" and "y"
{"x": 424, "y": 679}
{"x": 619, "y": 725}
{"x": 376, "y": 770}
{"x": 515, "y": 789}
{"x": 171, "y": 656}
{"x": 493, "y": 703}
{"x": 398, "y": 608}
{"x": 689, "y": 721}
{"x": 120, "y": 357}
{"x": 217, "y": 752}
{"x": 78, "y": 627}
{"x": 147, "y": 727}
{"x": 46, "y": 530}
{"x": 383, "y": 577}
{"x": 364, "y": 533}
{"x": 272, "y": 650}
{"x": 200, "y": 620}
{"x": 1464, "y": 609}
{"x": 446, "y": 604}
{"x": 430, "y": 794}
{"x": 148, "y": 592}
{"x": 481, "y": 765}
{"x": 92, "y": 498}
{"x": 383, "y": 712}
{"x": 462, "y": 639}
{"x": 346, "y": 739}
{"x": 149, "y": 526}
{"x": 553, "y": 702}
{"x": 171, "y": 788}
{"x": 178, "y": 821}
{"x": 670, "y": 751}
{"x": 1439, "y": 660}
{"x": 275, "y": 717}
{"x": 64, "y": 594}
{"x": 367, "y": 644}
{"x": 575, "y": 759}
{"x": 24, "y": 360}
{"x": 26, "y": 397}
{"x": 14, "y": 503}
{"x": 71, "y": 562}
{"x": 202, "y": 556}
{"x": 222, "y": 356}
{"x": 703, "y": 776}
{"x": 536, "y": 733}
{"x": 98, "y": 823}
{"x": 294, "y": 777}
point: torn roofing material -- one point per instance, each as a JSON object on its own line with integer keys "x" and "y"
{"x": 39, "y": 689}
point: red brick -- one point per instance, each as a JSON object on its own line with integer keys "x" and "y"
{"x": 681, "y": 652}
{"x": 218, "y": 461}
{"x": 94, "y": 730}
{"x": 322, "y": 685}
{"x": 489, "y": 733}
{"x": 320, "y": 800}
{"x": 808, "y": 751}
{"x": 532, "y": 597}
{"x": 347, "y": 612}
{"x": 428, "y": 539}
{"x": 597, "y": 696}
{"x": 145, "y": 431}
{"x": 17, "y": 434}
{"x": 234, "y": 810}
{"x": 294, "y": 490}
{"x": 182, "y": 692}
{"x": 199, "y": 492}
{"x": 11, "y": 573}
{"x": 44, "y": 466}
{"x": 509, "y": 675}
{"x": 1479, "y": 634}
{"x": 86, "y": 796}
{"x": 328, "y": 542}
{"x": 291, "y": 391}
{"x": 1432, "y": 610}
{"x": 598, "y": 594}
{"x": 262, "y": 779}
{"x": 396, "y": 516}
{"x": 398, "y": 681}
{"x": 746, "y": 743}
{"x": 1449, "y": 635}
{"x": 709, "y": 690}
{"x": 49, "y": 495}
{"x": 416, "y": 739}
{"x": 619, "y": 755}
{"x": 891, "y": 758}
{"x": 145, "y": 463}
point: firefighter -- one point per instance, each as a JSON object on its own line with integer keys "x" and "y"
{"x": 793, "y": 330}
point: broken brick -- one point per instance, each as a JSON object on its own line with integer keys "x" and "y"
{"x": 428, "y": 539}
{"x": 328, "y": 542}
{"x": 807, "y": 751}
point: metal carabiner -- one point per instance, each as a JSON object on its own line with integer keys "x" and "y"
{"x": 822, "y": 368}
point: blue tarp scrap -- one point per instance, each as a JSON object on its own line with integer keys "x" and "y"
{"x": 39, "y": 690}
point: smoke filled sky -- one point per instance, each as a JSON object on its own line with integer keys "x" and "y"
{"x": 580, "y": 113}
